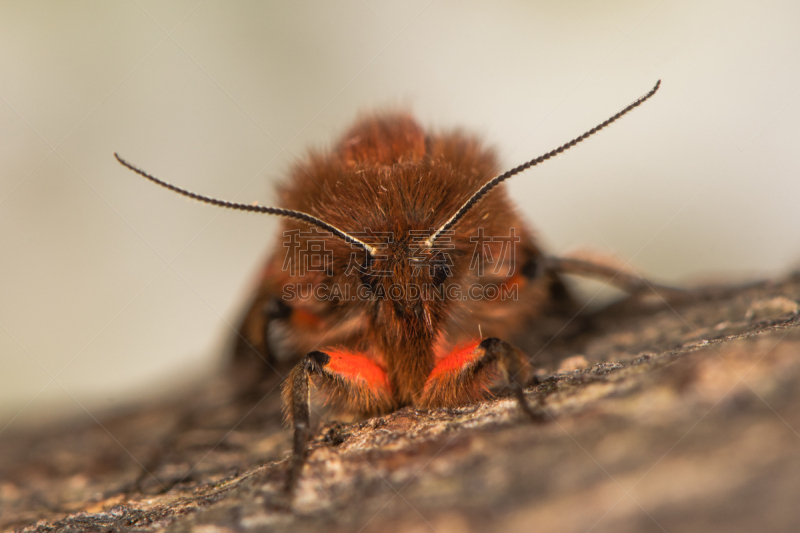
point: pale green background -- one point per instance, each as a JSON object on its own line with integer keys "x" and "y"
{"x": 109, "y": 284}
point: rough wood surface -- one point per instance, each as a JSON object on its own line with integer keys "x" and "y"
{"x": 680, "y": 417}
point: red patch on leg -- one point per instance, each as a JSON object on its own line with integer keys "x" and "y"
{"x": 357, "y": 368}
{"x": 456, "y": 360}
{"x": 461, "y": 377}
{"x": 352, "y": 383}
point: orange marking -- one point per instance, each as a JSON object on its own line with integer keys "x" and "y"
{"x": 458, "y": 358}
{"x": 517, "y": 279}
{"x": 357, "y": 367}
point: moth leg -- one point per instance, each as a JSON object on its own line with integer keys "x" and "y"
{"x": 349, "y": 382}
{"x": 606, "y": 269}
{"x": 468, "y": 373}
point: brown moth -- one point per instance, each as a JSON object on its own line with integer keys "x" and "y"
{"x": 405, "y": 275}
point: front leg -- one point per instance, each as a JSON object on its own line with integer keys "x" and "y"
{"x": 349, "y": 381}
{"x": 469, "y": 373}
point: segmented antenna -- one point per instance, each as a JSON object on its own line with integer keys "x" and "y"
{"x": 288, "y": 213}
{"x": 483, "y": 191}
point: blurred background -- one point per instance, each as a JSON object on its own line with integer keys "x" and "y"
{"x": 113, "y": 290}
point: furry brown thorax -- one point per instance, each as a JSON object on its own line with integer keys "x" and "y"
{"x": 390, "y": 181}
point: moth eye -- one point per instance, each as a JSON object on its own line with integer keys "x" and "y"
{"x": 440, "y": 274}
{"x": 277, "y": 309}
{"x": 441, "y": 268}
{"x": 531, "y": 268}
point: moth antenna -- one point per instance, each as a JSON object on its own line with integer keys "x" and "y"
{"x": 483, "y": 191}
{"x": 287, "y": 213}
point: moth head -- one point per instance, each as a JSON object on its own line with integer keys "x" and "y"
{"x": 407, "y": 260}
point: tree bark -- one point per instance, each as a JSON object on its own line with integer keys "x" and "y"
{"x": 658, "y": 416}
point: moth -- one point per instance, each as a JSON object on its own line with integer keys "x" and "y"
{"x": 403, "y": 277}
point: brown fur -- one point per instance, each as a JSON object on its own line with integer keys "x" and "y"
{"x": 388, "y": 175}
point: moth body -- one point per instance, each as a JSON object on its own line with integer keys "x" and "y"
{"x": 403, "y": 275}
{"x": 407, "y": 307}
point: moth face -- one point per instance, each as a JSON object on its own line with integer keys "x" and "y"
{"x": 406, "y": 282}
